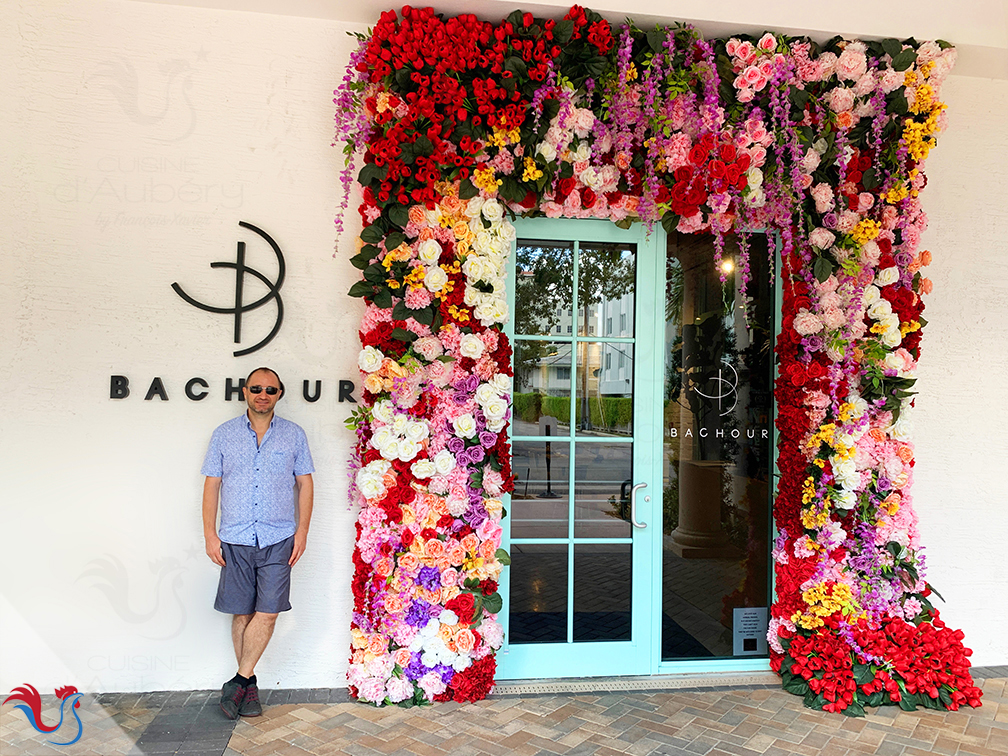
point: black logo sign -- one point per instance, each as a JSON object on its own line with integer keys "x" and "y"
{"x": 239, "y": 305}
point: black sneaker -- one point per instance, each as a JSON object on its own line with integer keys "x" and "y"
{"x": 232, "y": 695}
{"x": 250, "y": 706}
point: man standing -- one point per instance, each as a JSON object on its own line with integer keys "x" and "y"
{"x": 259, "y": 467}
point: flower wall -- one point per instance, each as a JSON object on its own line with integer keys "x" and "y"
{"x": 459, "y": 124}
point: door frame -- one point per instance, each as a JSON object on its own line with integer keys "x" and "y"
{"x": 641, "y": 654}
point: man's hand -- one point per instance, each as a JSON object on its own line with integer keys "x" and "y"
{"x": 300, "y": 541}
{"x": 213, "y": 549}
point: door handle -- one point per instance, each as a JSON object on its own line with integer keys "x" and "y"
{"x": 633, "y": 506}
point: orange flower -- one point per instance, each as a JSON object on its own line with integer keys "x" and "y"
{"x": 384, "y": 566}
{"x": 445, "y": 633}
{"x": 461, "y": 230}
{"x": 487, "y": 550}
{"x": 426, "y": 233}
{"x": 926, "y": 285}
{"x": 451, "y": 205}
{"x": 409, "y": 562}
{"x": 377, "y": 644}
{"x": 925, "y": 258}
{"x": 471, "y": 542}
{"x": 905, "y": 453}
{"x": 877, "y": 434}
{"x": 434, "y": 549}
{"x": 402, "y": 656}
{"x": 393, "y": 603}
{"x": 465, "y": 640}
{"x": 456, "y": 554}
{"x": 417, "y": 215}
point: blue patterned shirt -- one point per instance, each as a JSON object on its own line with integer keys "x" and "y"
{"x": 258, "y": 500}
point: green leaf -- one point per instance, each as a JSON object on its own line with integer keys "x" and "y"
{"x": 908, "y": 702}
{"x": 896, "y": 103}
{"x": 423, "y": 146}
{"x": 796, "y": 685}
{"x": 943, "y": 695}
{"x": 875, "y": 699}
{"x": 393, "y": 240}
{"x": 870, "y": 179}
{"x": 863, "y": 674}
{"x": 893, "y": 47}
{"x": 493, "y": 603}
{"x": 502, "y": 556}
{"x": 624, "y": 223}
{"x": 467, "y": 189}
{"x": 656, "y": 39}
{"x": 399, "y": 214}
{"x": 400, "y": 312}
{"x": 375, "y": 273}
{"x": 361, "y": 261}
{"x": 854, "y": 709}
{"x": 370, "y": 172}
{"x": 822, "y": 269}
{"x": 799, "y": 97}
{"x": 943, "y": 44}
{"x": 669, "y": 221}
{"x": 372, "y": 234}
{"x": 424, "y": 315}
{"x": 361, "y": 289}
{"x": 904, "y": 60}
{"x": 383, "y": 299}
{"x": 403, "y": 335}
{"x": 563, "y": 31}
{"x": 516, "y": 65}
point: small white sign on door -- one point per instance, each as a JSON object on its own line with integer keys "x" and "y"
{"x": 750, "y": 631}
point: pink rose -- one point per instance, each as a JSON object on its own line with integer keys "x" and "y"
{"x": 841, "y": 100}
{"x": 852, "y": 63}
{"x": 827, "y": 64}
{"x": 767, "y": 43}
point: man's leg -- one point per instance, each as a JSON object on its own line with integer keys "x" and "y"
{"x": 257, "y": 634}
{"x": 238, "y": 625}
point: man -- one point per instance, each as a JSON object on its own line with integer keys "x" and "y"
{"x": 259, "y": 467}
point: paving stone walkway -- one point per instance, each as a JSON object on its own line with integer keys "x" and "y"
{"x": 750, "y": 721}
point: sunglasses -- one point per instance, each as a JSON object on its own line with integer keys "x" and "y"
{"x": 271, "y": 390}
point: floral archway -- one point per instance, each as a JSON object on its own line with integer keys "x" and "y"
{"x": 463, "y": 124}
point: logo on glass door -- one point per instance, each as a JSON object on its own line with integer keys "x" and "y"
{"x": 724, "y": 388}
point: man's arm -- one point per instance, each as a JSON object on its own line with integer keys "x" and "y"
{"x": 306, "y": 494}
{"x": 211, "y": 495}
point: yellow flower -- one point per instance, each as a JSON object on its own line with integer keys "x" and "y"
{"x": 896, "y": 194}
{"x": 866, "y": 230}
{"x": 532, "y": 171}
{"x": 631, "y": 74}
{"x": 416, "y": 276}
{"x": 485, "y": 179}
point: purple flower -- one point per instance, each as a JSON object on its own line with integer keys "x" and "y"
{"x": 419, "y": 612}
{"x": 455, "y": 445}
{"x": 829, "y": 220}
{"x": 884, "y": 484}
{"x": 429, "y": 578}
{"x": 475, "y": 454}
{"x": 446, "y": 672}
{"x": 487, "y": 439}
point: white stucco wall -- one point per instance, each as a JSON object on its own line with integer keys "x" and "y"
{"x": 136, "y": 136}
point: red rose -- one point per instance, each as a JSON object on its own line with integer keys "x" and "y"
{"x": 588, "y": 198}
{"x": 565, "y": 187}
{"x": 464, "y": 605}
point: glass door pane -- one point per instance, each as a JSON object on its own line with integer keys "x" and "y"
{"x": 717, "y": 451}
{"x": 574, "y": 605}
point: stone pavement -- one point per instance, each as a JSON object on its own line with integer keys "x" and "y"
{"x": 729, "y": 721}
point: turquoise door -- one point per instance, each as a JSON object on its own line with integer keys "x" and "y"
{"x": 583, "y": 528}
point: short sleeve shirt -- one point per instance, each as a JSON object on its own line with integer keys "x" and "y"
{"x": 258, "y": 501}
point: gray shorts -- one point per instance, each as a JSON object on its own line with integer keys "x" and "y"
{"x": 255, "y": 580}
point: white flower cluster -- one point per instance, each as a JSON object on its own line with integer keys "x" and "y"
{"x": 880, "y": 310}
{"x": 486, "y": 261}
{"x": 492, "y": 397}
{"x": 442, "y": 464}
{"x": 370, "y": 479}
{"x": 396, "y": 435}
{"x": 433, "y": 648}
{"x": 370, "y": 359}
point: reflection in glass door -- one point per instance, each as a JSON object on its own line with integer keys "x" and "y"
{"x": 580, "y": 578}
{"x": 717, "y": 452}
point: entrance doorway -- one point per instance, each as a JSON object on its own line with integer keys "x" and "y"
{"x": 618, "y": 346}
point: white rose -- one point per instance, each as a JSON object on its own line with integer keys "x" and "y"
{"x": 475, "y": 268}
{"x": 370, "y": 487}
{"x": 501, "y": 383}
{"x": 845, "y": 500}
{"x": 755, "y": 178}
{"x": 890, "y": 322}
{"x": 423, "y": 468}
{"x": 464, "y": 425}
{"x": 583, "y": 152}
{"x": 495, "y": 409}
{"x": 902, "y": 429}
{"x": 505, "y": 230}
{"x": 408, "y": 449}
{"x": 887, "y": 276}
{"x": 369, "y": 359}
{"x": 416, "y": 431}
{"x": 843, "y": 467}
{"x": 435, "y": 278}
{"x": 399, "y": 424}
{"x": 495, "y": 426}
{"x": 381, "y": 437}
{"x": 444, "y": 462}
{"x": 547, "y": 150}
{"x": 880, "y": 309}
{"x": 474, "y": 207}
{"x": 860, "y": 405}
{"x": 870, "y": 296}
{"x": 471, "y": 346}
{"x": 461, "y": 663}
{"x": 390, "y": 449}
{"x": 590, "y": 178}
{"x": 383, "y": 411}
{"x": 447, "y": 617}
{"x": 484, "y": 242}
{"x": 485, "y": 392}
{"x": 892, "y": 362}
{"x": 429, "y": 251}
{"x": 892, "y": 338}
{"x": 493, "y": 210}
